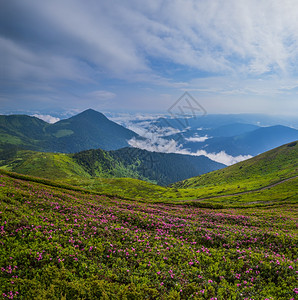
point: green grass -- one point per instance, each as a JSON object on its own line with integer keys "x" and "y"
{"x": 61, "y": 243}
{"x": 286, "y": 192}
{"x": 46, "y": 165}
{"x": 250, "y": 175}
{"x": 141, "y": 190}
{"x": 264, "y": 169}
{"x": 122, "y": 187}
{"x": 60, "y": 166}
{"x": 133, "y": 189}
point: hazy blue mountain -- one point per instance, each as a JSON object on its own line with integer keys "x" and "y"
{"x": 222, "y": 131}
{"x": 253, "y": 143}
{"x": 231, "y": 130}
{"x": 217, "y": 120}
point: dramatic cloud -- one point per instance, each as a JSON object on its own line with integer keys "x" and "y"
{"x": 236, "y": 55}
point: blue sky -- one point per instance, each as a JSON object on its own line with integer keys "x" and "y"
{"x": 64, "y": 56}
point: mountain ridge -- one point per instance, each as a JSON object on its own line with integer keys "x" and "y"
{"x": 160, "y": 168}
{"x": 87, "y": 130}
{"x": 253, "y": 142}
{"x": 267, "y": 179}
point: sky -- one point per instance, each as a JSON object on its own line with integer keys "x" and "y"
{"x": 64, "y": 56}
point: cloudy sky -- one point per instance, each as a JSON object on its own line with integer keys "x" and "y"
{"x": 233, "y": 56}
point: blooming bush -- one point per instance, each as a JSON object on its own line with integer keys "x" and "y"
{"x": 62, "y": 244}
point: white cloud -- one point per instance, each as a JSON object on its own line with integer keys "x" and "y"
{"x": 47, "y": 118}
{"x": 157, "y": 144}
{"x": 223, "y": 157}
{"x": 197, "y": 139}
{"x": 242, "y": 36}
{"x": 142, "y": 124}
{"x": 153, "y": 140}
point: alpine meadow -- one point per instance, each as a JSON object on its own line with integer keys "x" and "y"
{"x": 148, "y": 150}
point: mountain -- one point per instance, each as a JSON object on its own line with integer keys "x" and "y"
{"x": 252, "y": 143}
{"x": 217, "y": 120}
{"x": 271, "y": 176}
{"x": 87, "y": 130}
{"x": 160, "y": 168}
{"x": 264, "y": 169}
{"x": 91, "y": 130}
{"x": 233, "y": 134}
{"x": 22, "y": 131}
{"x": 163, "y": 168}
{"x": 228, "y": 130}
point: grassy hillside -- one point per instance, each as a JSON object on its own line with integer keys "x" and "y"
{"x": 236, "y": 185}
{"x": 47, "y": 165}
{"x": 87, "y": 130}
{"x": 264, "y": 169}
{"x": 128, "y": 188}
{"x": 242, "y": 190}
{"x": 21, "y": 131}
{"x": 154, "y": 167}
{"x": 57, "y": 243}
{"x": 161, "y": 168}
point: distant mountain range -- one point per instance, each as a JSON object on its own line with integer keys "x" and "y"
{"x": 236, "y": 135}
{"x": 218, "y": 120}
{"x": 236, "y": 139}
{"x": 253, "y": 142}
{"x": 214, "y": 134}
{"x": 160, "y": 168}
{"x": 87, "y": 130}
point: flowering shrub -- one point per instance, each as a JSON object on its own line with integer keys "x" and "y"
{"x": 62, "y": 244}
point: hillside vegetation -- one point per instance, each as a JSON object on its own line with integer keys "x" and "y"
{"x": 161, "y": 168}
{"x": 228, "y": 234}
{"x": 257, "y": 181}
{"x": 58, "y": 243}
{"x": 87, "y": 130}
{"x": 264, "y": 169}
